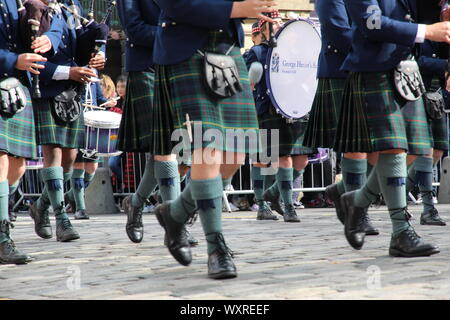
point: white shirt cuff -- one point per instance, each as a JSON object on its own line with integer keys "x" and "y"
{"x": 61, "y": 73}
{"x": 421, "y": 31}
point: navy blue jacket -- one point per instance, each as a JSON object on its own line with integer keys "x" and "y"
{"x": 185, "y": 26}
{"x": 64, "y": 57}
{"x": 336, "y": 38}
{"x": 382, "y": 47}
{"x": 139, "y": 19}
{"x": 11, "y": 41}
{"x": 431, "y": 65}
{"x": 259, "y": 54}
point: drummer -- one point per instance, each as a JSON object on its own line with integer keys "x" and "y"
{"x": 293, "y": 156}
{"x": 336, "y": 42}
{"x": 84, "y": 167}
{"x": 60, "y": 137}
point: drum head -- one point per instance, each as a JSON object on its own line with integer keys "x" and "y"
{"x": 291, "y": 68}
{"x": 102, "y": 119}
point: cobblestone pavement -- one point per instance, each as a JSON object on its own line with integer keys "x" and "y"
{"x": 275, "y": 260}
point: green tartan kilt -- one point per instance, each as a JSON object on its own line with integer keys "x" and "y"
{"x": 135, "y": 130}
{"x": 439, "y": 131}
{"x": 375, "y": 118}
{"x": 290, "y": 141}
{"x": 180, "y": 93}
{"x": 18, "y": 133}
{"x": 321, "y": 130}
{"x": 49, "y": 131}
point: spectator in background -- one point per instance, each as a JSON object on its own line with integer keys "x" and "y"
{"x": 115, "y": 163}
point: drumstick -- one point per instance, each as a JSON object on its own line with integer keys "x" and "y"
{"x": 113, "y": 99}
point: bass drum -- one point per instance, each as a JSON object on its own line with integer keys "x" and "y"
{"x": 291, "y": 68}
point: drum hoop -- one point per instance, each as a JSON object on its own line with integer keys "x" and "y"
{"x": 269, "y": 57}
{"x": 94, "y": 123}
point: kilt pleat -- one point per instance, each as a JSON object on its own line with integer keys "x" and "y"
{"x": 375, "y": 118}
{"x": 323, "y": 118}
{"x": 180, "y": 92}
{"x": 18, "y": 134}
{"x": 50, "y": 132}
{"x": 352, "y": 134}
{"x": 134, "y": 131}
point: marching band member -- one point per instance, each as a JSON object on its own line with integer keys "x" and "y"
{"x": 376, "y": 118}
{"x": 293, "y": 155}
{"x": 211, "y": 26}
{"x": 140, "y": 22}
{"x": 18, "y": 138}
{"x": 433, "y": 68}
{"x": 60, "y": 129}
{"x": 336, "y": 42}
{"x": 84, "y": 167}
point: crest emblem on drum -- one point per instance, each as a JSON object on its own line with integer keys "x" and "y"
{"x": 275, "y": 62}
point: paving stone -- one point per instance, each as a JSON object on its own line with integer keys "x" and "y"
{"x": 275, "y": 260}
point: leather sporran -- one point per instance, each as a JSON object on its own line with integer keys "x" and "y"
{"x": 221, "y": 75}
{"x": 67, "y": 106}
{"x": 408, "y": 81}
{"x": 434, "y": 105}
{"x": 13, "y": 98}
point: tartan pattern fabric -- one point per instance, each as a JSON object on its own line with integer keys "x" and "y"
{"x": 439, "y": 132}
{"x": 321, "y": 130}
{"x": 18, "y": 134}
{"x": 418, "y": 130}
{"x": 372, "y": 119}
{"x": 290, "y": 134}
{"x": 135, "y": 130}
{"x": 49, "y": 131}
{"x": 180, "y": 92}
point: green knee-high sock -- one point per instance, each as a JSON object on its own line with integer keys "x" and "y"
{"x": 269, "y": 180}
{"x": 146, "y": 186}
{"x": 274, "y": 189}
{"x": 208, "y": 196}
{"x": 369, "y": 192}
{"x": 285, "y": 177}
{"x": 258, "y": 184}
{"x": 88, "y": 177}
{"x": 410, "y": 179}
{"x": 226, "y": 182}
{"x": 53, "y": 178}
{"x": 369, "y": 169}
{"x": 391, "y": 171}
{"x": 13, "y": 188}
{"x": 4, "y": 198}
{"x": 353, "y": 173}
{"x": 424, "y": 178}
{"x": 77, "y": 189}
{"x": 166, "y": 173}
{"x": 183, "y": 206}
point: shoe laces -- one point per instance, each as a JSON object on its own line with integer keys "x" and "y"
{"x": 412, "y": 235}
{"x": 5, "y": 225}
{"x": 434, "y": 214}
{"x": 222, "y": 247}
{"x": 66, "y": 224}
{"x": 11, "y": 247}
